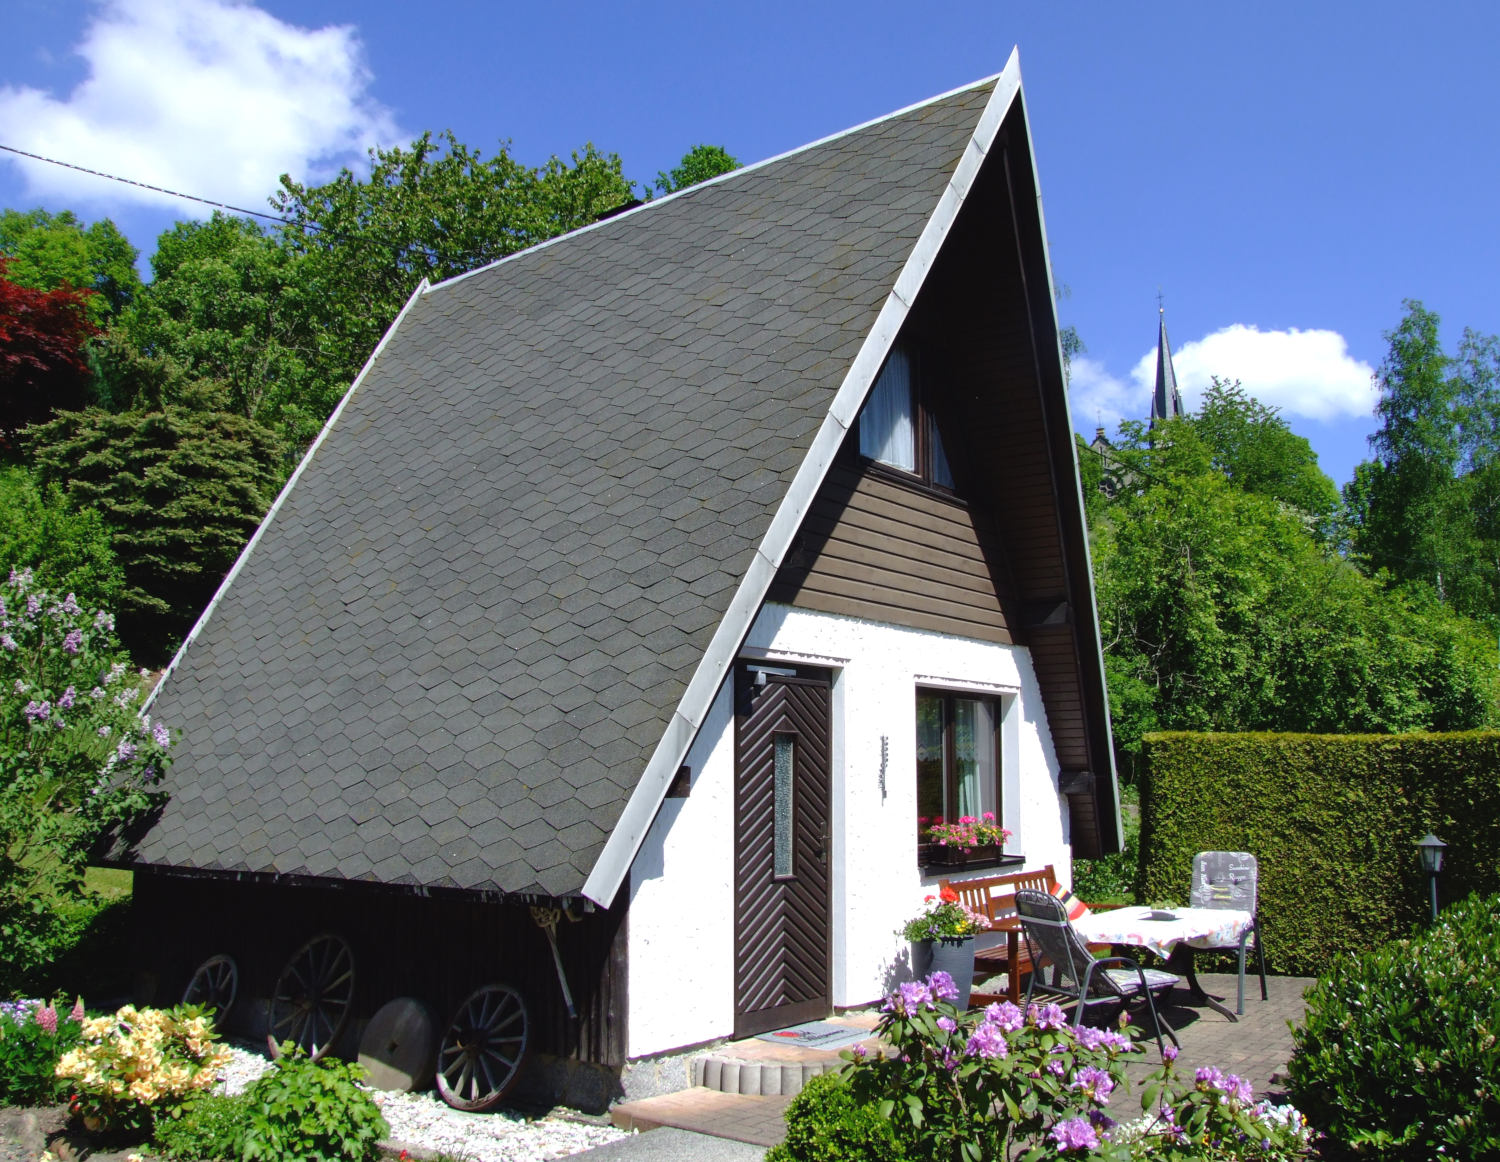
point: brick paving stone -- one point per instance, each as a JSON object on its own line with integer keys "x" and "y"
{"x": 1256, "y": 1047}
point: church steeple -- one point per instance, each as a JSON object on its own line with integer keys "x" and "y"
{"x": 1166, "y": 404}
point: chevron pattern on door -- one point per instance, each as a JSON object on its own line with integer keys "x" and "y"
{"x": 782, "y": 940}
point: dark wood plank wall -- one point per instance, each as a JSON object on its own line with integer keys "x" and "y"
{"x": 878, "y": 549}
{"x": 436, "y": 948}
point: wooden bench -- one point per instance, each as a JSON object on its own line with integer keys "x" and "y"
{"x": 995, "y": 897}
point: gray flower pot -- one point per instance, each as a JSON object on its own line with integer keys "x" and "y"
{"x": 953, "y": 955}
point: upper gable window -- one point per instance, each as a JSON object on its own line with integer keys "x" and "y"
{"x": 895, "y": 426}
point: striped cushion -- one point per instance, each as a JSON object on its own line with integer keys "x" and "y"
{"x": 1075, "y": 907}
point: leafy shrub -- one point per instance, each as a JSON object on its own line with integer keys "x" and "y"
{"x": 210, "y": 1128}
{"x": 1334, "y": 821}
{"x": 311, "y": 1111}
{"x": 137, "y": 1063}
{"x": 32, "y": 1038}
{"x": 1396, "y": 1056}
{"x": 1003, "y": 1084}
{"x": 1111, "y": 878}
{"x": 77, "y": 760}
{"x": 825, "y": 1124}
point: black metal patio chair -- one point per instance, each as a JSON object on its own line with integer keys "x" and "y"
{"x": 1231, "y": 879}
{"x": 1050, "y": 938}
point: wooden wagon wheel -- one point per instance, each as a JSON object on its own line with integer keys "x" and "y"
{"x": 313, "y": 996}
{"x": 483, "y": 1048}
{"x": 214, "y": 985}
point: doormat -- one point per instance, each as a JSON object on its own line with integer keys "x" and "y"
{"x": 817, "y": 1035}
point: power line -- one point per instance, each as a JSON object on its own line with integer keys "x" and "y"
{"x": 158, "y": 189}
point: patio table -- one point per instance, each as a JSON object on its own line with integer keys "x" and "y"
{"x": 1175, "y": 940}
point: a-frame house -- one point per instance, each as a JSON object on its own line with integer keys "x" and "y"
{"x": 664, "y": 574}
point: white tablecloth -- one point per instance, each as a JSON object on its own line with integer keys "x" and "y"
{"x": 1195, "y": 927}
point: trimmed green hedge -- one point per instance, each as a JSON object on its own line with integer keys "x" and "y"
{"x": 1333, "y": 820}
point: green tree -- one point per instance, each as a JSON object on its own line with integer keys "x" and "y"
{"x": 433, "y": 211}
{"x": 180, "y": 487}
{"x": 48, "y": 251}
{"x": 1426, "y": 509}
{"x": 697, "y": 165}
{"x": 67, "y": 548}
{"x": 231, "y": 306}
{"x": 1221, "y": 610}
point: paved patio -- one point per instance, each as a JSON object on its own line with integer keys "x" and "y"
{"x": 1255, "y": 1047}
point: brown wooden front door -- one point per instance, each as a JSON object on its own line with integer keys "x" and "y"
{"x": 782, "y": 839}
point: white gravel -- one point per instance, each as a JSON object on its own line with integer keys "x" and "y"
{"x": 422, "y": 1121}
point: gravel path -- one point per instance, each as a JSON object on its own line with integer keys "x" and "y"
{"x": 422, "y": 1121}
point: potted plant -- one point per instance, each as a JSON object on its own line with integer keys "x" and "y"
{"x": 942, "y": 939}
{"x": 966, "y": 840}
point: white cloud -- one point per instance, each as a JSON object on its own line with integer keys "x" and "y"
{"x": 1303, "y": 373}
{"x": 1097, "y": 399}
{"x": 210, "y": 97}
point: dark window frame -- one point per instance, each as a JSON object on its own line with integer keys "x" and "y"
{"x": 924, "y": 429}
{"x": 997, "y": 705}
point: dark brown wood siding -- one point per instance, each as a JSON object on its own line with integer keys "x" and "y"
{"x": 875, "y": 548}
{"x": 437, "y": 949}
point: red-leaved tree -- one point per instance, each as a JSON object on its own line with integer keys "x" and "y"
{"x": 42, "y": 364}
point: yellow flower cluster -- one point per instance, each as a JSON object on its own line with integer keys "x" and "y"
{"x": 144, "y": 1056}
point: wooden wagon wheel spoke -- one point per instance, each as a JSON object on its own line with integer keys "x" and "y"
{"x": 313, "y": 996}
{"x": 483, "y": 1049}
{"x": 214, "y": 985}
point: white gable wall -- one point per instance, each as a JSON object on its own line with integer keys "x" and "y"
{"x": 681, "y": 922}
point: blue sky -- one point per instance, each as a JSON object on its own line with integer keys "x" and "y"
{"x": 1284, "y": 174}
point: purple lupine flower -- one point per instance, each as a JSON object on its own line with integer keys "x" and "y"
{"x": 942, "y": 986}
{"x": 1075, "y": 1134}
{"x": 162, "y": 735}
{"x": 46, "y": 1017}
{"x": 1049, "y": 1016}
{"x": 987, "y": 1041}
{"x": 1006, "y": 1015}
{"x": 73, "y": 642}
{"x": 947, "y": 1024}
{"x": 1095, "y": 1083}
{"x": 66, "y": 701}
{"x": 77, "y": 1015}
{"x": 38, "y": 711}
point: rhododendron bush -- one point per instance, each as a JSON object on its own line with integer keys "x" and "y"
{"x": 137, "y": 1063}
{"x": 77, "y": 758}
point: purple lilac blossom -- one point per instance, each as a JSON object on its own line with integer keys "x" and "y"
{"x": 73, "y": 642}
{"x": 70, "y": 604}
{"x": 33, "y": 605}
{"x": 104, "y": 731}
{"x": 162, "y": 735}
{"x": 1006, "y": 1015}
{"x": 20, "y": 686}
{"x": 987, "y": 1041}
{"x": 125, "y": 751}
{"x": 66, "y": 701}
{"x": 1095, "y": 1083}
{"x": 97, "y": 692}
{"x": 942, "y": 986}
{"x": 38, "y": 711}
{"x": 1075, "y": 1134}
{"x": 104, "y": 620}
{"x": 8, "y": 642}
{"x": 1049, "y": 1016}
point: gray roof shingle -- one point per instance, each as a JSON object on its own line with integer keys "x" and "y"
{"x": 457, "y": 642}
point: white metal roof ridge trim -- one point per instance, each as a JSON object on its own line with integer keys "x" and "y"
{"x": 281, "y": 496}
{"x": 629, "y": 832}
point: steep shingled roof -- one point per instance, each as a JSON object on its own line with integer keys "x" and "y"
{"x": 460, "y": 637}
